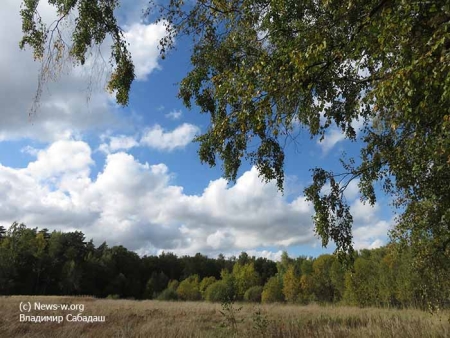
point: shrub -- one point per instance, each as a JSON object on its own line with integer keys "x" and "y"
{"x": 219, "y": 291}
{"x": 253, "y": 294}
{"x": 168, "y": 294}
{"x": 189, "y": 289}
{"x": 173, "y": 284}
{"x": 273, "y": 291}
{"x": 207, "y": 281}
{"x": 114, "y": 296}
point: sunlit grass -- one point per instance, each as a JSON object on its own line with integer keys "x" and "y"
{"x": 128, "y": 318}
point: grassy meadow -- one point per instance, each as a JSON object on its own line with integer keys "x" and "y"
{"x": 128, "y": 318}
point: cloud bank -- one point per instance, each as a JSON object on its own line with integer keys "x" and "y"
{"x": 137, "y": 205}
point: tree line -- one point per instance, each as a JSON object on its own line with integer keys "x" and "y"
{"x": 39, "y": 262}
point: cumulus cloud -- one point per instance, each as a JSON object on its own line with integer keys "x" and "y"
{"x": 62, "y": 157}
{"x": 363, "y": 212}
{"x": 137, "y": 205}
{"x": 117, "y": 143}
{"x": 158, "y": 138}
{"x": 154, "y": 137}
{"x": 371, "y": 236}
{"x": 352, "y": 190}
{"x": 63, "y": 105}
{"x": 370, "y": 231}
{"x": 77, "y": 101}
{"x": 144, "y": 40}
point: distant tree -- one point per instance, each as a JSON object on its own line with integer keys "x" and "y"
{"x": 362, "y": 285}
{"x": 307, "y": 289}
{"x": 171, "y": 265}
{"x": 245, "y": 277}
{"x": 291, "y": 285}
{"x": 253, "y": 294}
{"x": 243, "y": 258}
{"x": 324, "y": 289}
{"x": 173, "y": 284}
{"x": 265, "y": 268}
{"x": 32, "y": 262}
{"x": 205, "y": 283}
{"x": 189, "y": 289}
{"x": 168, "y": 295}
{"x": 284, "y": 263}
{"x": 307, "y": 267}
{"x": 156, "y": 284}
{"x": 230, "y": 280}
{"x": 337, "y": 276}
{"x": 2, "y": 232}
{"x": 273, "y": 290}
{"x": 220, "y": 291}
{"x": 71, "y": 279}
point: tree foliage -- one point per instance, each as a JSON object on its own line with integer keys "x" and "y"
{"x": 94, "y": 21}
{"x": 273, "y": 290}
{"x": 245, "y": 277}
{"x": 253, "y": 294}
{"x": 189, "y": 289}
{"x": 291, "y": 285}
{"x": 220, "y": 291}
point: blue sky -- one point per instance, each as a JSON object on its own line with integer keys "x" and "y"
{"x": 132, "y": 176}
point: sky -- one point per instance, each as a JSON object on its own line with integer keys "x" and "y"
{"x": 132, "y": 176}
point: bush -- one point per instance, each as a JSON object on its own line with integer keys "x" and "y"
{"x": 115, "y": 296}
{"x": 273, "y": 291}
{"x": 207, "y": 281}
{"x": 253, "y": 294}
{"x": 219, "y": 291}
{"x": 173, "y": 284}
{"x": 168, "y": 294}
{"x": 189, "y": 289}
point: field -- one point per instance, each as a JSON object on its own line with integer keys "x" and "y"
{"x": 128, "y": 318}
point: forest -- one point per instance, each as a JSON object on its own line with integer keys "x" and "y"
{"x": 39, "y": 262}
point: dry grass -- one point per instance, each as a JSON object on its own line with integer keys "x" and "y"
{"x": 127, "y": 318}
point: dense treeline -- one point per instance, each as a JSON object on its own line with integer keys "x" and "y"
{"x": 38, "y": 262}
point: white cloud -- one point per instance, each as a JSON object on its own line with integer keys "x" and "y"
{"x": 131, "y": 11}
{"x": 274, "y": 256}
{"x": 156, "y": 137}
{"x": 363, "y": 212}
{"x": 174, "y": 115}
{"x": 352, "y": 190}
{"x": 371, "y": 236}
{"x": 29, "y": 150}
{"x": 116, "y": 143}
{"x": 62, "y": 157}
{"x": 122, "y": 142}
{"x": 220, "y": 240}
{"x": 144, "y": 40}
{"x": 63, "y": 104}
{"x": 136, "y": 205}
{"x": 335, "y": 135}
{"x": 331, "y": 138}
